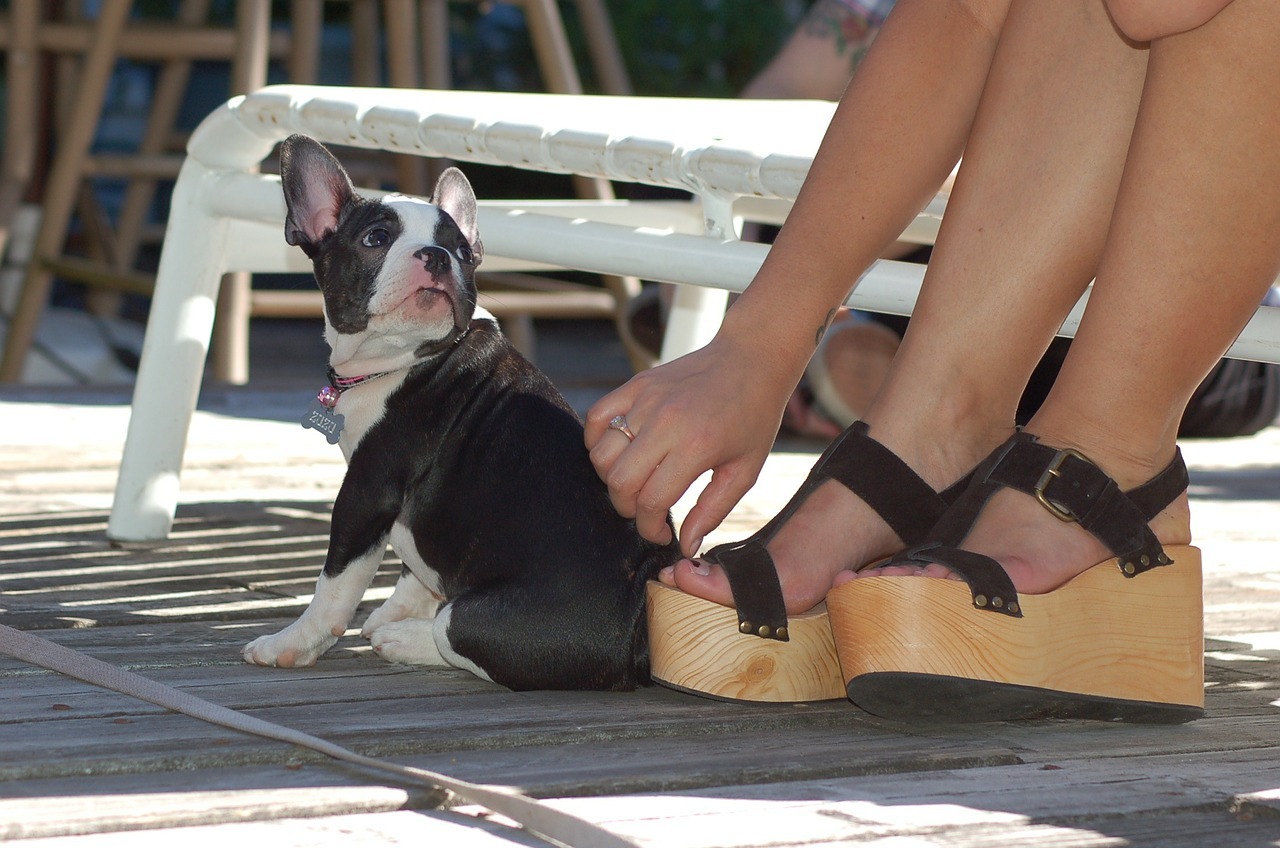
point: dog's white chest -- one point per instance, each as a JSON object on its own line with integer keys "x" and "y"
{"x": 362, "y": 407}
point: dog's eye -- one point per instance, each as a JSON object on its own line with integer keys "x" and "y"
{"x": 465, "y": 254}
{"x": 377, "y": 237}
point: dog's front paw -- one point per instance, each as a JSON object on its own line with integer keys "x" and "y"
{"x": 292, "y": 647}
{"x": 410, "y": 641}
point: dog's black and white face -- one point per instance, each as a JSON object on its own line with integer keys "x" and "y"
{"x": 397, "y": 274}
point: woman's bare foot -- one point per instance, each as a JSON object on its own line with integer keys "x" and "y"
{"x": 832, "y": 532}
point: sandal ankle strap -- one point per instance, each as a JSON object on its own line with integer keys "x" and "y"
{"x": 1073, "y": 489}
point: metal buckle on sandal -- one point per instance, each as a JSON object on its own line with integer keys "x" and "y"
{"x": 1055, "y": 470}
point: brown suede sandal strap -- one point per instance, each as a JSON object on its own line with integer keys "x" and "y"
{"x": 1161, "y": 490}
{"x": 989, "y": 582}
{"x": 867, "y": 468}
{"x": 888, "y": 485}
{"x": 1071, "y": 488}
{"x": 753, "y": 580}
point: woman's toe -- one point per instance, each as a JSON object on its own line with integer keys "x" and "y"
{"x": 933, "y": 569}
{"x": 700, "y": 578}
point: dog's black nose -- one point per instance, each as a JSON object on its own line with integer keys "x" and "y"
{"x": 434, "y": 258}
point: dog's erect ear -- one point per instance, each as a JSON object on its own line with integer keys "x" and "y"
{"x": 453, "y": 194}
{"x": 315, "y": 189}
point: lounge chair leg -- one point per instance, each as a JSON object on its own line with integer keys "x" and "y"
{"x": 172, "y": 366}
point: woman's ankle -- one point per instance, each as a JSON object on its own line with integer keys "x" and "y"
{"x": 939, "y": 458}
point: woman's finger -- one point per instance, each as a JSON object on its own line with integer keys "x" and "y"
{"x": 667, "y": 483}
{"x": 629, "y": 474}
{"x": 604, "y": 455}
{"x": 617, "y": 402}
{"x": 727, "y": 486}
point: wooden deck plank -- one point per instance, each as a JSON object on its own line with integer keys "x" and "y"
{"x": 105, "y": 740}
{"x": 225, "y": 561}
{"x": 829, "y": 827}
{"x": 386, "y": 728}
{"x": 651, "y": 764}
{"x": 1003, "y": 805}
{"x": 1027, "y": 804}
{"x": 417, "y": 828}
{"x": 69, "y": 815}
{"x": 611, "y": 768}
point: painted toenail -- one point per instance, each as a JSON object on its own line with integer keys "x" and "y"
{"x": 700, "y": 568}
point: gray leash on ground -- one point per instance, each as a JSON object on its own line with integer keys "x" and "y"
{"x": 541, "y": 819}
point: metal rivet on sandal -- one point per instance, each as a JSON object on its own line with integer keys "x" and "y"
{"x": 780, "y": 634}
{"x": 764, "y": 631}
{"x": 1129, "y": 568}
{"x": 979, "y": 600}
{"x": 1013, "y": 607}
{"x": 1145, "y": 560}
{"x": 745, "y": 627}
{"x": 997, "y": 602}
{"x": 1163, "y": 559}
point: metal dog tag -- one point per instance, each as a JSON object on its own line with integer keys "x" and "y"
{"x": 321, "y": 418}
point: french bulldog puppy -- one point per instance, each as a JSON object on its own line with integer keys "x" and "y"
{"x": 460, "y": 454}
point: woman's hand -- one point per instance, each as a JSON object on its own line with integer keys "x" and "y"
{"x": 716, "y": 409}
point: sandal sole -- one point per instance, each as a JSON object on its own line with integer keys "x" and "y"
{"x": 695, "y": 647}
{"x": 1101, "y": 646}
{"x": 948, "y": 700}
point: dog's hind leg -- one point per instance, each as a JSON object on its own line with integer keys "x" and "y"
{"x": 528, "y": 637}
{"x": 403, "y": 629}
{"x": 411, "y": 641}
{"x": 440, "y": 631}
{"x": 411, "y": 599}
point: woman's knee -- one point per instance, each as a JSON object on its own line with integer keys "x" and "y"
{"x": 1146, "y": 20}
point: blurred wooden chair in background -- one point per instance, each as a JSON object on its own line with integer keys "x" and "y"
{"x": 90, "y": 49}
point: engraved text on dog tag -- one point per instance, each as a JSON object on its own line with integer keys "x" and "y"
{"x": 328, "y": 422}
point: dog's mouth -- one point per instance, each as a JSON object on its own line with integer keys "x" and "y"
{"x": 426, "y": 295}
{"x": 423, "y": 298}
{"x": 428, "y": 299}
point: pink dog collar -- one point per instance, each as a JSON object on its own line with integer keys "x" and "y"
{"x": 328, "y": 396}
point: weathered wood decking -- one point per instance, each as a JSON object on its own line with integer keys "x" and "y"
{"x": 84, "y": 767}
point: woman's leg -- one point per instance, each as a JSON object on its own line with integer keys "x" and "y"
{"x": 1194, "y": 244}
{"x": 1025, "y": 226}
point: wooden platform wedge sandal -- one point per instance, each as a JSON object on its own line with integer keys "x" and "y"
{"x": 1124, "y": 640}
{"x": 754, "y": 652}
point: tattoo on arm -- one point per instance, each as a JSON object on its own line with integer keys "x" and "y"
{"x": 850, "y": 33}
{"x": 856, "y": 59}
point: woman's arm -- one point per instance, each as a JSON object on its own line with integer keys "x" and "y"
{"x": 898, "y": 131}
{"x": 1147, "y": 20}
